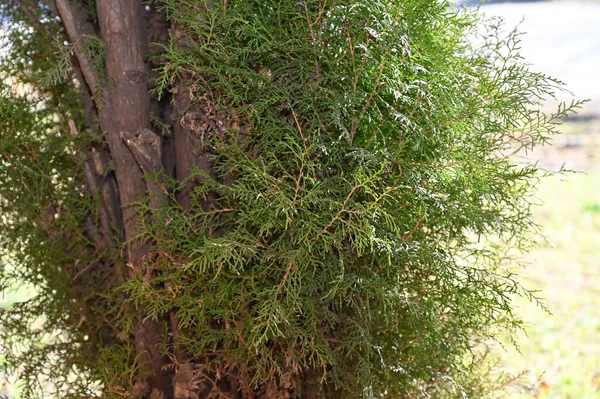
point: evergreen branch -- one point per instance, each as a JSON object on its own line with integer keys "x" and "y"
{"x": 356, "y": 123}
{"x": 305, "y": 264}
{"x": 72, "y": 19}
{"x": 343, "y": 210}
{"x": 296, "y": 192}
{"x": 313, "y": 39}
{"x": 407, "y": 237}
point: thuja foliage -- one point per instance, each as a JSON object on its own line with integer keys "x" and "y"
{"x": 358, "y": 233}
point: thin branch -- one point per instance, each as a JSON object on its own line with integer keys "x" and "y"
{"x": 299, "y": 127}
{"x": 362, "y": 63}
{"x": 33, "y": 19}
{"x": 307, "y": 155}
{"x": 356, "y": 123}
{"x": 298, "y": 182}
{"x": 350, "y": 225}
{"x": 337, "y": 217}
{"x": 312, "y": 39}
{"x": 460, "y": 117}
{"x": 352, "y": 57}
{"x": 71, "y": 23}
{"x": 90, "y": 106}
{"x": 429, "y": 165}
{"x": 410, "y": 234}
{"x": 285, "y": 276}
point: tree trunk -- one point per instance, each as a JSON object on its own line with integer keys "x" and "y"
{"x": 122, "y": 106}
{"x": 117, "y": 96}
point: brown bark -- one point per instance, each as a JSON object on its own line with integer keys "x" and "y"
{"x": 51, "y": 4}
{"x": 96, "y": 162}
{"x": 127, "y": 110}
{"x": 123, "y": 111}
{"x": 126, "y": 104}
{"x": 188, "y": 131}
{"x": 103, "y": 188}
{"x": 135, "y": 152}
{"x": 77, "y": 26}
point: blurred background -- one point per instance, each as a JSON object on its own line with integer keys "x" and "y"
{"x": 560, "y": 352}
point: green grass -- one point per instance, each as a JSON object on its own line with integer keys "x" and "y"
{"x": 561, "y": 351}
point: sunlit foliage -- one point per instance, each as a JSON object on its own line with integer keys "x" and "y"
{"x": 363, "y": 225}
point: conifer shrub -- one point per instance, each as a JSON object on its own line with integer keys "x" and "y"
{"x": 356, "y": 235}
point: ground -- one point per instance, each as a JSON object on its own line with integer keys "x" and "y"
{"x": 560, "y": 350}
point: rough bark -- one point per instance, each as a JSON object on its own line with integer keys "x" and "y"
{"x": 127, "y": 110}
{"x": 77, "y": 26}
{"x": 100, "y": 181}
{"x": 189, "y": 131}
{"x": 102, "y": 187}
{"x": 119, "y": 109}
{"x": 123, "y": 110}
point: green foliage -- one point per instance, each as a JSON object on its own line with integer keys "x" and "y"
{"x": 94, "y": 48}
{"x": 42, "y": 207}
{"x": 374, "y": 157}
{"x": 374, "y": 216}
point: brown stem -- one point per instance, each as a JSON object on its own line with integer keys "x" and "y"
{"x": 313, "y": 39}
{"x": 356, "y": 123}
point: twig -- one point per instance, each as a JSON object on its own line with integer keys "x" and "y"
{"x": 362, "y": 63}
{"x": 305, "y": 150}
{"x": 336, "y": 217}
{"x": 312, "y": 39}
{"x": 409, "y": 235}
{"x": 85, "y": 269}
{"x": 350, "y": 225}
{"x": 299, "y": 129}
{"x": 356, "y": 123}
{"x": 298, "y": 182}
{"x": 285, "y": 276}
{"x": 428, "y": 165}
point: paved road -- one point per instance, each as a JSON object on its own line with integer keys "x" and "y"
{"x": 562, "y": 40}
